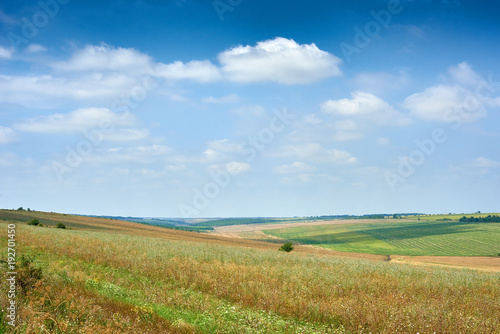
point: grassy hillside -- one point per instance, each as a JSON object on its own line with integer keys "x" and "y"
{"x": 118, "y": 227}
{"x": 423, "y": 237}
{"x": 103, "y": 281}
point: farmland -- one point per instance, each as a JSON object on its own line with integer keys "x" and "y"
{"x": 108, "y": 276}
{"x": 438, "y": 238}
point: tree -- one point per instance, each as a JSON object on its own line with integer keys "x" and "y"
{"x": 61, "y": 225}
{"x": 34, "y": 222}
{"x": 286, "y": 247}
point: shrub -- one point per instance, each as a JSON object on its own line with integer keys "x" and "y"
{"x": 34, "y": 222}
{"x": 286, "y": 247}
{"x": 61, "y": 225}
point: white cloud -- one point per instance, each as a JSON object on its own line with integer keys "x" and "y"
{"x": 31, "y": 90}
{"x": 231, "y": 98}
{"x": 211, "y": 155}
{"x": 483, "y": 162}
{"x": 106, "y": 58}
{"x": 201, "y": 71}
{"x": 35, "y": 48}
{"x": 366, "y": 106}
{"x": 459, "y": 98}
{"x": 236, "y": 167}
{"x": 6, "y": 53}
{"x": 76, "y": 121}
{"x": 7, "y": 135}
{"x": 294, "y": 168}
{"x": 98, "y": 72}
{"x": 463, "y": 74}
{"x": 279, "y": 60}
{"x": 439, "y": 103}
{"x": 315, "y": 151}
{"x": 224, "y": 145}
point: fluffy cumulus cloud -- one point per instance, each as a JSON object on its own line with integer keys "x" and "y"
{"x": 463, "y": 74}
{"x": 98, "y": 72}
{"x": 279, "y": 60}
{"x": 437, "y": 103}
{"x": 367, "y": 106}
{"x": 76, "y": 121}
{"x": 200, "y": 71}
{"x": 105, "y": 58}
{"x": 461, "y": 98}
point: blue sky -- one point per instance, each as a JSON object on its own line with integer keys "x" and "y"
{"x": 249, "y": 108}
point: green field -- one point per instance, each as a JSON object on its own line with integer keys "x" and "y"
{"x": 393, "y": 237}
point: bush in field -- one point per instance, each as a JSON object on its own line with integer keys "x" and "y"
{"x": 61, "y": 225}
{"x": 34, "y": 222}
{"x": 286, "y": 247}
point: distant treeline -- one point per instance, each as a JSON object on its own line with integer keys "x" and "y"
{"x": 488, "y": 219}
{"x": 369, "y": 216}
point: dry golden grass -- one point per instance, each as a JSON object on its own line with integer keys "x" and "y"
{"x": 52, "y": 309}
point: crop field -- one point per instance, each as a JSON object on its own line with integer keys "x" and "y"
{"x": 91, "y": 281}
{"x": 438, "y": 238}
